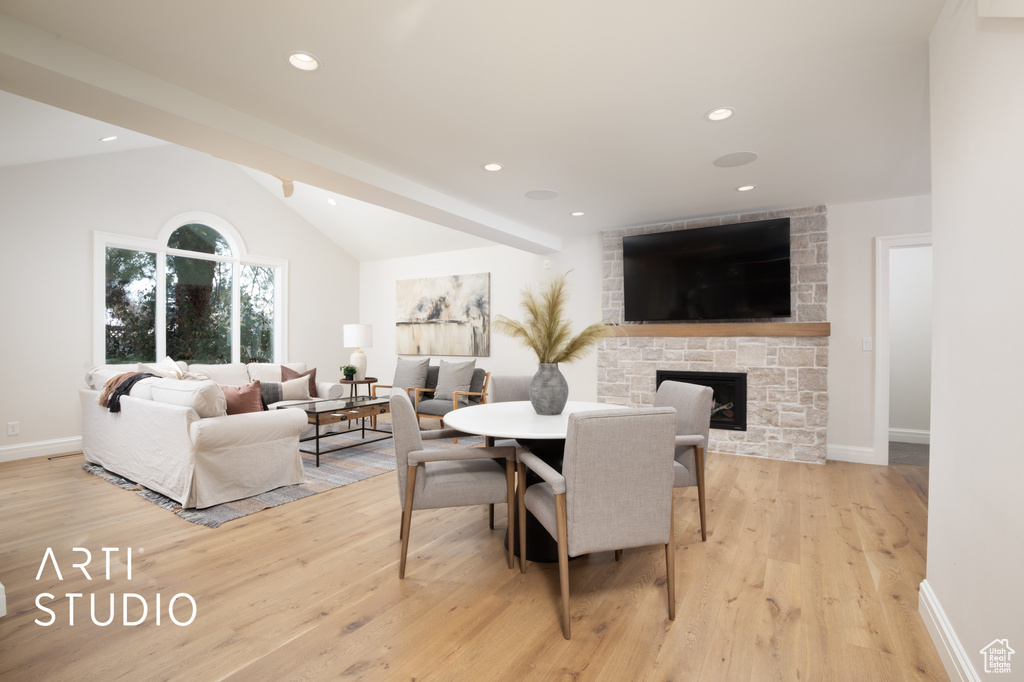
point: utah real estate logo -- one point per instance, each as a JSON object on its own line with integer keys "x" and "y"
{"x": 997, "y": 655}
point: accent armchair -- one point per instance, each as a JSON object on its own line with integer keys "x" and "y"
{"x": 436, "y": 390}
{"x": 614, "y": 491}
{"x": 693, "y": 421}
{"x": 430, "y": 402}
{"x": 450, "y": 477}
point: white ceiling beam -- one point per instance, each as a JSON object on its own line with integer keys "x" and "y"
{"x": 48, "y": 69}
{"x": 1005, "y": 9}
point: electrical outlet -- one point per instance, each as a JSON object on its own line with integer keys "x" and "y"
{"x": 866, "y": 344}
{"x": 13, "y": 429}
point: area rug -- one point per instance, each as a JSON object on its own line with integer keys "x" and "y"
{"x": 364, "y": 460}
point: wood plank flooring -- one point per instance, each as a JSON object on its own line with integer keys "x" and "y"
{"x": 810, "y": 572}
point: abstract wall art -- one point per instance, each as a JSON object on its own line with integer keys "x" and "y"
{"x": 444, "y": 315}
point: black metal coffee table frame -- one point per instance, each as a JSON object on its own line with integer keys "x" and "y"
{"x": 345, "y": 410}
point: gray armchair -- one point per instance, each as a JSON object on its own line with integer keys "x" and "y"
{"x": 422, "y": 381}
{"x": 451, "y": 477}
{"x": 693, "y": 421}
{"x": 427, "y": 405}
{"x": 614, "y": 491}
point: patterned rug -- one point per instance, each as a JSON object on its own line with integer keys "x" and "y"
{"x": 336, "y": 469}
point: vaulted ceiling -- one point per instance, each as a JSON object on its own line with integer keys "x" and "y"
{"x": 601, "y": 104}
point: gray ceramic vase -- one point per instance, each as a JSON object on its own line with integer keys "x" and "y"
{"x": 548, "y": 390}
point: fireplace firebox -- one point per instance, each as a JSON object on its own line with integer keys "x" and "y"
{"x": 729, "y": 402}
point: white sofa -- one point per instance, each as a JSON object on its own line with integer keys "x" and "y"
{"x": 173, "y": 436}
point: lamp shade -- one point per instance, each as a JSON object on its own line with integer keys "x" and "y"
{"x": 358, "y": 335}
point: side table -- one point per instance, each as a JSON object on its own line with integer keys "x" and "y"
{"x": 354, "y": 384}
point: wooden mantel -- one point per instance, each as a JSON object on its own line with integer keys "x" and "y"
{"x": 725, "y": 329}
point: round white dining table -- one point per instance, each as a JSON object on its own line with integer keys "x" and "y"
{"x": 517, "y": 419}
{"x": 540, "y": 434}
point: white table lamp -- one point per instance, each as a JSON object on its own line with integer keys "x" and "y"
{"x": 358, "y": 336}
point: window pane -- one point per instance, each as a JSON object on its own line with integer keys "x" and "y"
{"x": 130, "y": 303}
{"x": 256, "y": 292}
{"x": 198, "y": 310}
{"x": 201, "y": 238}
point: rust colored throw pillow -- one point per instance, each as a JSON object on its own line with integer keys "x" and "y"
{"x": 288, "y": 374}
{"x": 243, "y": 399}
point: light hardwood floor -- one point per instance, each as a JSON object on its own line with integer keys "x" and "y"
{"x": 810, "y": 572}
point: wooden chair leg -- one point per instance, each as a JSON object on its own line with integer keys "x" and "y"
{"x": 618, "y": 554}
{"x": 522, "y": 517}
{"x": 510, "y": 480}
{"x": 563, "y": 561}
{"x": 701, "y": 497}
{"x": 410, "y": 490}
{"x": 491, "y": 521}
{"x": 670, "y": 562}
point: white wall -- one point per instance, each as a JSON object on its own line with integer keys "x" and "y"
{"x": 910, "y": 344}
{"x": 511, "y": 271}
{"x": 852, "y": 230}
{"x": 975, "y": 506}
{"x": 48, "y": 212}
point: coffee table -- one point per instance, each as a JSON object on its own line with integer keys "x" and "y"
{"x": 324, "y": 412}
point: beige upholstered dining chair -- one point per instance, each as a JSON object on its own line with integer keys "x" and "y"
{"x": 693, "y": 421}
{"x": 614, "y": 491}
{"x": 449, "y": 477}
{"x": 509, "y": 387}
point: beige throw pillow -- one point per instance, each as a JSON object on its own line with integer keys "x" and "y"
{"x": 166, "y": 368}
{"x": 296, "y": 389}
{"x": 287, "y": 374}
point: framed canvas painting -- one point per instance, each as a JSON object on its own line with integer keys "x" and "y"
{"x": 444, "y": 315}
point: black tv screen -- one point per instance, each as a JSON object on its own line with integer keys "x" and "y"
{"x": 726, "y": 272}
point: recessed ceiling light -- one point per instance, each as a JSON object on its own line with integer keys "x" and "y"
{"x": 108, "y": 138}
{"x": 719, "y": 114}
{"x": 542, "y": 194}
{"x": 745, "y": 188}
{"x": 576, "y": 214}
{"x": 332, "y": 201}
{"x": 735, "y": 159}
{"x": 493, "y": 167}
{"x": 303, "y": 61}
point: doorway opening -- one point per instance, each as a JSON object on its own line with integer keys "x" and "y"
{"x": 903, "y": 349}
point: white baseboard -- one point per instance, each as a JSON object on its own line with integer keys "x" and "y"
{"x": 852, "y": 453}
{"x": 916, "y": 436}
{"x": 42, "y": 448}
{"x": 954, "y": 657}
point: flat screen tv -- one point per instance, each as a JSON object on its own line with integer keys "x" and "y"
{"x": 726, "y": 272}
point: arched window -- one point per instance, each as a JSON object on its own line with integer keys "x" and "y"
{"x": 193, "y": 295}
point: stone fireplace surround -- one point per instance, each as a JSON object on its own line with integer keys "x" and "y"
{"x": 787, "y": 376}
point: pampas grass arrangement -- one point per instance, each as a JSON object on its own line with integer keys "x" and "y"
{"x": 545, "y": 329}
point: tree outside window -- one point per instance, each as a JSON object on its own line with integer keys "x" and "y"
{"x": 209, "y": 300}
{"x": 130, "y": 306}
{"x": 257, "y": 296}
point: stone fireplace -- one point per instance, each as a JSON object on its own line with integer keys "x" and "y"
{"x": 785, "y": 361}
{"x": 729, "y": 398}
